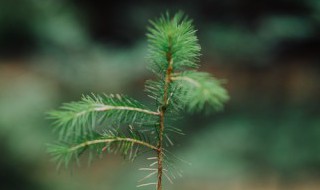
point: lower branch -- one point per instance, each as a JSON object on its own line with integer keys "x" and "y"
{"x": 117, "y": 139}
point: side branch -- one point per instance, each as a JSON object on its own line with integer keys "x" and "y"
{"x": 117, "y": 139}
{"x": 188, "y": 79}
{"x": 107, "y": 108}
{"x": 103, "y": 107}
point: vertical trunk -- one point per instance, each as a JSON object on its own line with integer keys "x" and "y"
{"x": 162, "y": 115}
{"x": 160, "y": 151}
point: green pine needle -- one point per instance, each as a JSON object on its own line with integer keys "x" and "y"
{"x": 111, "y": 141}
{"x": 175, "y": 37}
{"x": 81, "y": 118}
{"x": 198, "y": 89}
{"x": 103, "y": 123}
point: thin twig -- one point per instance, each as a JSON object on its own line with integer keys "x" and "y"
{"x": 118, "y": 139}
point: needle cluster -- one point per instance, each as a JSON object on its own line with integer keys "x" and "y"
{"x": 120, "y": 124}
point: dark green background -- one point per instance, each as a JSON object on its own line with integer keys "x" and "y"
{"x": 268, "y": 136}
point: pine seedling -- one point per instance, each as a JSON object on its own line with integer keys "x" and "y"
{"x": 120, "y": 124}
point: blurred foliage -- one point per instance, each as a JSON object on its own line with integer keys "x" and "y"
{"x": 247, "y": 144}
{"x": 94, "y": 68}
{"x": 258, "y": 45}
{"x": 23, "y": 100}
{"x": 246, "y": 31}
{"x": 61, "y": 49}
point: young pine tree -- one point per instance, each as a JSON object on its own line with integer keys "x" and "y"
{"x": 120, "y": 124}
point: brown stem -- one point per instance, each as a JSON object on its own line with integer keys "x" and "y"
{"x": 162, "y": 115}
{"x": 118, "y": 139}
{"x": 160, "y": 152}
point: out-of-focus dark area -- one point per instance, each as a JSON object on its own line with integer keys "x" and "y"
{"x": 267, "y": 138}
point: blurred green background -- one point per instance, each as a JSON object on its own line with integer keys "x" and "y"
{"x": 267, "y": 138}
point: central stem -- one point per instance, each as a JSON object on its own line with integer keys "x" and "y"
{"x": 163, "y": 109}
{"x": 160, "y": 151}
